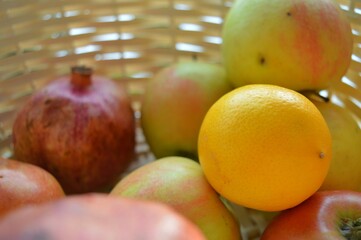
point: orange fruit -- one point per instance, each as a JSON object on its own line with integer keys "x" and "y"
{"x": 264, "y": 147}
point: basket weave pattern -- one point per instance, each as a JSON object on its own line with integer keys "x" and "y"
{"x": 127, "y": 40}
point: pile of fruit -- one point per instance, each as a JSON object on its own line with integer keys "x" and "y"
{"x": 255, "y": 131}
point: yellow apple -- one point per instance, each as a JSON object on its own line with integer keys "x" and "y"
{"x": 180, "y": 183}
{"x": 299, "y": 44}
{"x": 175, "y": 103}
{"x": 345, "y": 168}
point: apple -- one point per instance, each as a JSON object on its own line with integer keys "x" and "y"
{"x": 345, "y": 168}
{"x": 298, "y": 44}
{"x": 98, "y": 216}
{"x": 326, "y": 215}
{"x": 80, "y": 128}
{"x": 175, "y": 102}
{"x": 24, "y": 184}
{"x": 180, "y": 183}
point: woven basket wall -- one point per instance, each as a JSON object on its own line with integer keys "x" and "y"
{"x": 127, "y": 40}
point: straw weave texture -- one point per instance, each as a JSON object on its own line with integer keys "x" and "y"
{"x": 127, "y": 40}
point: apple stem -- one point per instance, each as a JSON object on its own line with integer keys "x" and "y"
{"x": 81, "y": 76}
{"x": 351, "y": 229}
{"x": 194, "y": 57}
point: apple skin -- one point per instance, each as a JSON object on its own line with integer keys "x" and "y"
{"x": 96, "y": 216}
{"x": 345, "y": 168}
{"x": 180, "y": 183}
{"x": 175, "y": 103}
{"x": 300, "y": 44}
{"x": 25, "y": 184}
{"x": 84, "y": 135}
{"x": 320, "y": 217}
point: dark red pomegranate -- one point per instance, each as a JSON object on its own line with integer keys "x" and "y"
{"x": 80, "y": 128}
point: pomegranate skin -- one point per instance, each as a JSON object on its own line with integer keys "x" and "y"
{"x": 82, "y": 135}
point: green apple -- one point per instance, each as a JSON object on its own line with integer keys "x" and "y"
{"x": 175, "y": 103}
{"x": 180, "y": 183}
{"x": 298, "y": 44}
{"x": 345, "y": 168}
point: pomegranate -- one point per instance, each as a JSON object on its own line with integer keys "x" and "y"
{"x": 98, "y": 216}
{"x": 80, "y": 128}
{"x": 24, "y": 184}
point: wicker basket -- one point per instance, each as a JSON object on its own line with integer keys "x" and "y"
{"x": 127, "y": 40}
